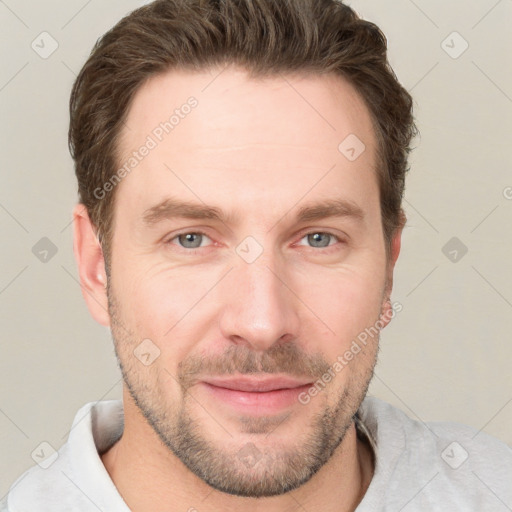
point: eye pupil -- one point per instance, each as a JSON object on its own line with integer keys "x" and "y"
{"x": 190, "y": 238}
{"x": 316, "y": 239}
{"x": 193, "y": 240}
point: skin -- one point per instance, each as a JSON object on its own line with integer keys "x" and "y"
{"x": 259, "y": 151}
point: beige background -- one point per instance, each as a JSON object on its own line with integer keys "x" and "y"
{"x": 446, "y": 356}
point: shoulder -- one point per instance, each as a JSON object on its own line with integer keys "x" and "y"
{"x": 43, "y": 487}
{"x": 73, "y": 478}
{"x": 430, "y": 463}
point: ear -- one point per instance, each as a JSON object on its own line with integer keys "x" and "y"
{"x": 91, "y": 265}
{"x": 387, "y": 312}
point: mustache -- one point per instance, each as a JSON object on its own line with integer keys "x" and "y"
{"x": 281, "y": 358}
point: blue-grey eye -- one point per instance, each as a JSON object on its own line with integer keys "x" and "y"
{"x": 190, "y": 240}
{"x": 316, "y": 240}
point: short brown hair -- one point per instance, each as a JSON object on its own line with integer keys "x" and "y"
{"x": 266, "y": 37}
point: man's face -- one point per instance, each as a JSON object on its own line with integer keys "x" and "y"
{"x": 258, "y": 293}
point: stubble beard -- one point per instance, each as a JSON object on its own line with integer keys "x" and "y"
{"x": 245, "y": 469}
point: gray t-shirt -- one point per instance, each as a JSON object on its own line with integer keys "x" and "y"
{"x": 418, "y": 466}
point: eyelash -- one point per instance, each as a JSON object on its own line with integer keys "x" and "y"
{"x": 324, "y": 250}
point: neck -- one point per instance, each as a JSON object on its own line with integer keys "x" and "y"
{"x": 150, "y": 477}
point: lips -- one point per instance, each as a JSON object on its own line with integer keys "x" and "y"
{"x": 257, "y": 385}
{"x": 254, "y": 395}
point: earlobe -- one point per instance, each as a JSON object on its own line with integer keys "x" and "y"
{"x": 396, "y": 242}
{"x": 91, "y": 265}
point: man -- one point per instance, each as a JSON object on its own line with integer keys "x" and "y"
{"x": 241, "y": 168}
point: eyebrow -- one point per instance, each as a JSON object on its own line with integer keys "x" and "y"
{"x": 172, "y": 208}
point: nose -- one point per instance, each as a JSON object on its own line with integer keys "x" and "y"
{"x": 259, "y": 306}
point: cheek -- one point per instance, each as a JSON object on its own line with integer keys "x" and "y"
{"x": 165, "y": 305}
{"x": 346, "y": 299}
{"x": 350, "y": 305}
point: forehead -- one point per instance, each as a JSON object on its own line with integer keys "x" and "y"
{"x": 233, "y": 109}
{"x": 255, "y": 134}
